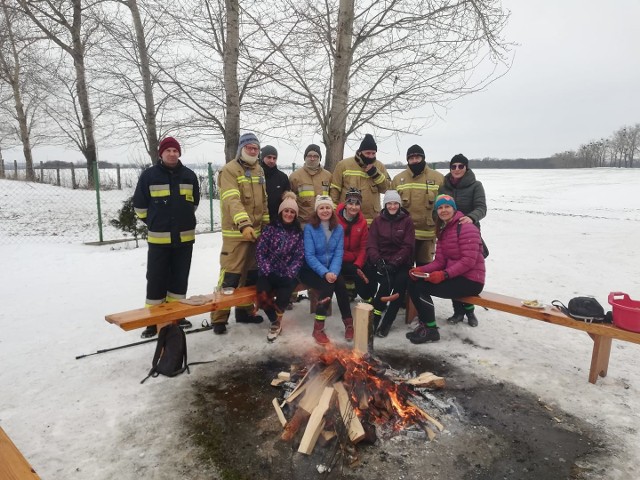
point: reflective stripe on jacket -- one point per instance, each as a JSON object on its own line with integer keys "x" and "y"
{"x": 306, "y": 184}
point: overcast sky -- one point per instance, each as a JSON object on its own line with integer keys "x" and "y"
{"x": 575, "y": 77}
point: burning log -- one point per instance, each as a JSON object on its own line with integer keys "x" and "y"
{"x": 316, "y": 421}
{"x": 348, "y": 414}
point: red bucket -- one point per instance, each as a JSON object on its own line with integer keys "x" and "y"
{"x": 626, "y": 312}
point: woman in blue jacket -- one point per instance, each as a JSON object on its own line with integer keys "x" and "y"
{"x": 323, "y": 251}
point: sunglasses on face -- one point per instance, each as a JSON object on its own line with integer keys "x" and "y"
{"x": 353, "y": 201}
{"x": 457, "y": 166}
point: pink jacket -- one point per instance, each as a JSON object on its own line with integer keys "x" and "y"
{"x": 459, "y": 255}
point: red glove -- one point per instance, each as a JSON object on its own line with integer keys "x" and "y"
{"x": 437, "y": 277}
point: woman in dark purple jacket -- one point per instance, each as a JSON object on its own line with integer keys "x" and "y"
{"x": 457, "y": 270}
{"x": 280, "y": 255}
{"x": 389, "y": 256}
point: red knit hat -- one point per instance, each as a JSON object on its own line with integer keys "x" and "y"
{"x": 168, "y": 142}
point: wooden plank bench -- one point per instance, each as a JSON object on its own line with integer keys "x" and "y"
{"x": 601, "y": 334}
{"x": 13, "y": 466}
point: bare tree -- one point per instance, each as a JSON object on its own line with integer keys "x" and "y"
{"x": 355, "y": 64}
{"x": 62, "y": 22}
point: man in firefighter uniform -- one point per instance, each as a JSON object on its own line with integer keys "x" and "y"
{"x": 309, "y": 181}
{"x": 166, "y": 199}
{"x": 418, "y": 188}
{"x": 362, "y": 172}
{"x": 243, "y": 209}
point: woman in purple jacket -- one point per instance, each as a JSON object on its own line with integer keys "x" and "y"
{"x": 280, "y": 255}
{"x": 457, "y": 270}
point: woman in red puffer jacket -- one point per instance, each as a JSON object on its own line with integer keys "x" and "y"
{"x": 458, "y": 269}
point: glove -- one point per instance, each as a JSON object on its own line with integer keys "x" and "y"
{"x": 437, "y": 277}
{"x": 249, "y": 234}
{"x": 372, "y": 172}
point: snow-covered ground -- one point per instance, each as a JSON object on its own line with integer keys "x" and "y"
{"x": 552, "y": 234}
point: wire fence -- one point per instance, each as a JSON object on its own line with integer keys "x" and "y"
{"x": 58, "y": 206}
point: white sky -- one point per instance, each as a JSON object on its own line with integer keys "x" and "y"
{"x": 575, "y": 78}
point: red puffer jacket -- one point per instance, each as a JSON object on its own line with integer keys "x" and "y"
{"x": 356, "y": 234}
{"x": 459, "y": 255}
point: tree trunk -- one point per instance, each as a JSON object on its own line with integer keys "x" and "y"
{"x": 336, "y": 135}
{"x": 17, "y": 96}
{"x": 147, "y": 85}
{"x": 88, "y": 134}
{"x": 230, "y": 73}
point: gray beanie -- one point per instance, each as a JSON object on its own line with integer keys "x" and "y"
{"x": 391, "y": 196}
{"x": 247, "y": 139}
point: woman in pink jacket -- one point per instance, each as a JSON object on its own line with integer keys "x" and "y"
{"x": 457, "y": 270}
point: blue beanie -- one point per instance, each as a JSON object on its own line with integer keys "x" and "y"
{"x": 445, "y": 200}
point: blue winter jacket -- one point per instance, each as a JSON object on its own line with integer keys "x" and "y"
{"x": 323, "y": 255}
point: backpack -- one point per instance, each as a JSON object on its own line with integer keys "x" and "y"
{"x": 170, "y": 358}
{"x": 485, "y": 249}
{"x": 586, "y": 309}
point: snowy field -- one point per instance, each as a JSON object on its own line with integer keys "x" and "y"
{"x": 552, "y": 234}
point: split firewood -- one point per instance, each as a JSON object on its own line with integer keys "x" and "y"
{"x": 327, "y": 435}
{"x": 302, "y": 384}
{"x": 276, "y": 382}
{"x": 317, "y": 385}
{"x": 426, "y": 416}
{"x": 316, "y": 422}
{"x": 286, "y": 376}
{"x": 294, "y": 424}
{"x": 348, "y": 414}
{"x": 361, "y": 326}
{"x": 426, "y": 380}
{"x": 279, "y": 412}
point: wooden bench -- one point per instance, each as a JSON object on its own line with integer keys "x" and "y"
{"x": 601, "y": 334}
{"x": 174, "y": 311}
{"x": 13, "y": 466}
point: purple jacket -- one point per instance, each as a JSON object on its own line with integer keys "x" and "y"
{"x": 391, "y": 238}
{"x": 459, "y": 255}
{"x": 280, "y": 251}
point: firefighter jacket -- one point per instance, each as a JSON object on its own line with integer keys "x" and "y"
{"x": 349, "y": 173}
{"x": 243, "y": 199}
{"x": 166, "y": 200}
{"x": 418, "y": 195}
{"x": 306, "y": 184}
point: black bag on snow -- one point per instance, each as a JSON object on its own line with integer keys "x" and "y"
{"x": 170, "y": 358}
{"x": 485, "y": 249}
{"x": 586, "y": 309}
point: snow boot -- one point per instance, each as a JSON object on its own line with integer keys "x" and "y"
{"x": 219, "y": 328}
{"x": 472, "y": 319}
{"x": 274, "y": 330}
{"x": 184, "y": 324}
{"x": 348, "y": 328}
{"x": 424, "y": 334}
{"x": 384, "y": 328}
{"x": 243, "y": 316}
{"x": 150, "y": 332}
{"x": 318, "y": 333}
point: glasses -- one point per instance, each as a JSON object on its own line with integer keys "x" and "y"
{"x": 251, "y": 148}
{"x": 353, "y": 201}
{"x": 313, "y": 157}
{"x": 457, "y": 166}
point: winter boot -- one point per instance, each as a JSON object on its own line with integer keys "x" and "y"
{"x": 150, "y": 332}
{"x": 471, "y": 318}
{"x": 219, "y": 328}
{"x": 318, "y": 333}
{"x": 385, "y": 326}
{"x": 424, "y": 334}
{"x": 275, "y": 329}
{"x": 184, "y": 324}
{"x": 348, "y": 328}
{"x": 243, "y": 316}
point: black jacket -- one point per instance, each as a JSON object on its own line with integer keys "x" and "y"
{"x": 277, "y": 183}
{"x": 468, "y": 194}
{"x": 166, "y": 200}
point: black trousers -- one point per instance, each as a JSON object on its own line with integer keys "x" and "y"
{"x": 364, "y": 290}
{"x": 282, "y": 287}
{"x": 167, "y": 272}
{"x": 388, "y": 284}
{"x": 421, "y": 292}
{"x": 312, "y": 280}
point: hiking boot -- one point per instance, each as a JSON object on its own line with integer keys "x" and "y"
{"x": 219, "y": 328}
{"x": 472, "y": 319}
{"x": 424, "y": 334}
{"x": 150, "y": 332}
{"x": 249, "y": 318}
{"x": 274, "y": 331}
{"x": 348, "y": 329}
{"x": 383, "y": 329}
{"x": 184, "y": 324}
{"x": 455, "y": 318}
{"x": 318, "y": 333}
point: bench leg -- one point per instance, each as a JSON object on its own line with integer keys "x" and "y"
{"x": 599, "y": 357}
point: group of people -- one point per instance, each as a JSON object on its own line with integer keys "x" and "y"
{"x": 325, "y": 230}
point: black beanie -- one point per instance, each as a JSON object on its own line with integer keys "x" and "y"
{"x": 368, "y": 143}
{"x": 415, "y": 150}
{"x": 459, "y": 158}
{"x": 313, "y": 148}
{"x": 268, "y": 150}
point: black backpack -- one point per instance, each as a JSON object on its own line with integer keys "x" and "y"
{"x": 170, "y": 358}
{"x": 586, "y": 309}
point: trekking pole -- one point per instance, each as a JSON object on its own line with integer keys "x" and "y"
{"x": 141, "y": 342}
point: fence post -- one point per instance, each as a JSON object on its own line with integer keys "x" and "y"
{"x": 96, "y": 180}
{"x": 210, "y": 175}
{"x": 73, "y": 176}
{"x": 118, "y": 175}
{"x": 1, "y": 167}
{"x": 58, "y": 176}
{"x": 41, "y": 171}
{"x": 15, "y": 169}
